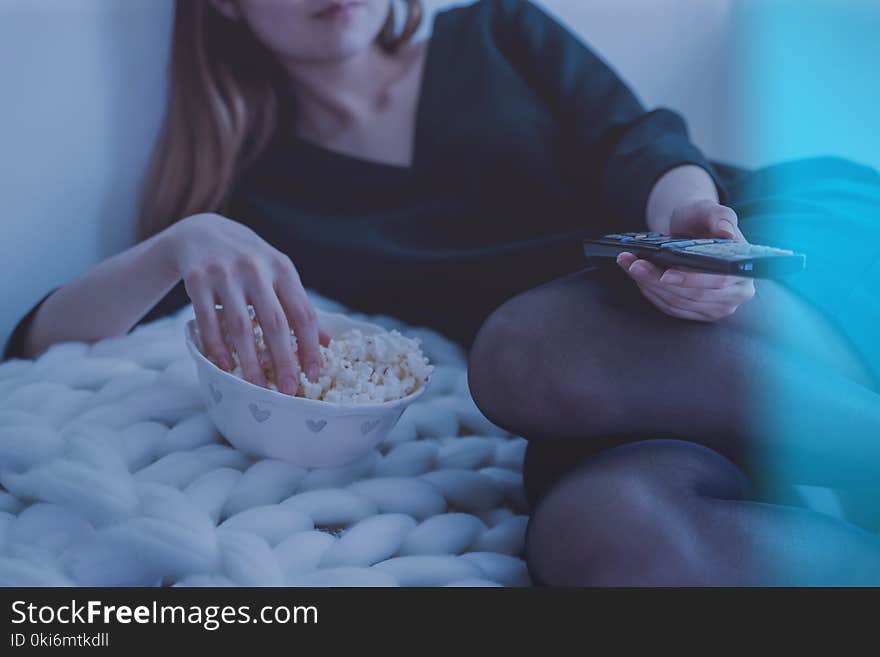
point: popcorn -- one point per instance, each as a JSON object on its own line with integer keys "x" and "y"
{"x": 356, "y": 368}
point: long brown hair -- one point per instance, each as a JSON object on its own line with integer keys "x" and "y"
{"x": 221, "y": 110}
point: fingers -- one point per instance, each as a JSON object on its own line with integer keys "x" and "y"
{"x": 241, "y": 332}
{"x": 647, "y": 272}
{"x": 324, "y": 337}
{"x": 301, "y": 314}
{"x": 738, "y": 292}
{"x": 276, "y": 334}
{"x": 692, "y": 278}
{"x": 202, "y": 297}
{"x": 641, "y": 271}
{"x": 706, "y": 219}
{"x": 232, "y": 265}
{"x": 674, "y": 311}
{"x": 725, "y": 223}
{"x": 700, "y": 303}
{"x": 711, "y": 309}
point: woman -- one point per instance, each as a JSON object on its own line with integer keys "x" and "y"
{"x": 449, "y": 182}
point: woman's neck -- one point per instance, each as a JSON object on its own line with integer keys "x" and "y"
{"x": 335, "y": 95}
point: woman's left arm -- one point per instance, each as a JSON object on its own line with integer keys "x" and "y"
{"x": 684, "y": 201}
{"x": 641, "y": 163}
{"x": 614, "y": 146}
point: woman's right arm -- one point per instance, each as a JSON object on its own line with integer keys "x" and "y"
{"x": 220, "y": 261}
{"x": 105, "y": 301}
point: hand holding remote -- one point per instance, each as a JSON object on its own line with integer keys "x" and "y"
{"x": 687, "y": 293}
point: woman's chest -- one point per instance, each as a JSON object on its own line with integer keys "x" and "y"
{"x": 383, "y": 137}
{"x": 488, "y": 133}
{"x": 490, "y": 163}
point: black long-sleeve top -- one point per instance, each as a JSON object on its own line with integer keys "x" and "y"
{"x": 526, "y": 141}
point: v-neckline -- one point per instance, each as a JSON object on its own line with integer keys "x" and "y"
{"x": 422, "y": 105}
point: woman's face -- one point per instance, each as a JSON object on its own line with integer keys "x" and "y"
{"x": 310, "y": 30}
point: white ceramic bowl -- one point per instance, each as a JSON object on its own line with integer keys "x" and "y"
{"x": 307, "y": 432}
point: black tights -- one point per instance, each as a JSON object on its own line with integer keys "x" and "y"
{"x": 661, "y": 450}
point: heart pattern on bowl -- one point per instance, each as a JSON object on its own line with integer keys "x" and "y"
{"x": 368, "y": 425}
{"x": 216, "y": 395}
{"x": 316, "y": 425}
{"x": 260, "y": 414}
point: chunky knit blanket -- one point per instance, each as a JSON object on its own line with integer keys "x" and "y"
{"x": 112, "y": 474}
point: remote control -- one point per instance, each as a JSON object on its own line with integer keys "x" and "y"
{"x": 720, "y": 256}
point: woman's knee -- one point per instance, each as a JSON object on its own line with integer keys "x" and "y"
{"x": 520, "y": 369}
{"x": 499, "y": 359}
{"x": 636, "y": 514}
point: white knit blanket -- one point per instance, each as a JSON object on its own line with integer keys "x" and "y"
{"x": 112, "y": 474}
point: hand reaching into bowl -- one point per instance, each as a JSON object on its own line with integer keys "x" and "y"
{"x": 224, "y": 262}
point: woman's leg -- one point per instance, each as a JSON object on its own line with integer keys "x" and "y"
{"x": 586, "y": 358}
{"x": 581, "y": 366}
{"x": 674, "y": 513}
{"x": 586, "y": 370}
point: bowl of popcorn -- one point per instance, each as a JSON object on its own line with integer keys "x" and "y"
{"x": 368, "y": 376}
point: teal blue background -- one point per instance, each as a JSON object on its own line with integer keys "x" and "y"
{"x": 807, "y": 79}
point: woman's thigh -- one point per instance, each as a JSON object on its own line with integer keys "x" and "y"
{"x": 576, "y": 305}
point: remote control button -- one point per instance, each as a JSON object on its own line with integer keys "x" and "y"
{"x": 677, "y": 244}
{"x": 723, "y": 250}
